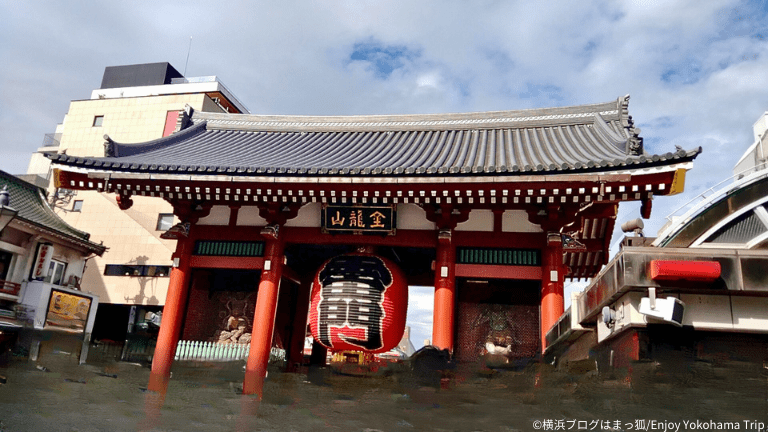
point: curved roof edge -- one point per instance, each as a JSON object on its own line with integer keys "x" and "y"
{"x": 33, "y": 209}
{"x": 113, "y": 148}
{"x": 564, "y": 140}
{"x": 614, "y": 110}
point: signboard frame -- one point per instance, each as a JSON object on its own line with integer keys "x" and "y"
{"x": 346, "y": 219}
{"x": 80, "y": 324}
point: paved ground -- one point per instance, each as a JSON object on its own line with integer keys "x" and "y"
{"x": 112, "y": 396}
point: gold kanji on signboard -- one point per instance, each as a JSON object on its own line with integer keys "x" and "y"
{"x": 358, "y": 219}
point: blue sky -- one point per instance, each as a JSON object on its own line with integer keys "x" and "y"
{"x": 696, "y": 71}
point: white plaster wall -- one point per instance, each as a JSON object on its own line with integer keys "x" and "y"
{"x": 249, "y": 216}
{"x": 479, "y": 220}
{"x": 413, "y": 217}
{"x": 308, "y": 216}
{"x": 219, "y": 216}
{"x": 517, "y": 221}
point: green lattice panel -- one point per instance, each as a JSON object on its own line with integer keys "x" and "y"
{"x": 494, "y": 256}
{"x": 229, "y": 248}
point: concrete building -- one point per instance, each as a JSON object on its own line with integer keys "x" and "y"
{"x": 134, "y": 103}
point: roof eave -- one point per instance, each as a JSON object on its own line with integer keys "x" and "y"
{"x": 86, "y": 244}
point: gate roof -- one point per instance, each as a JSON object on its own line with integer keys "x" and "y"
{"x": 566, "y": 140}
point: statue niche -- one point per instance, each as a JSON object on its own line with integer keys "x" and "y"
{"x": 235, "y": 318}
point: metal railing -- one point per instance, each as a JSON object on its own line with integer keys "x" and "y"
{"x": 718, "y": 187}
{"x": 202, "y": 351}
{"x": 10, "y": 288}
{"x": 709, "y": 197}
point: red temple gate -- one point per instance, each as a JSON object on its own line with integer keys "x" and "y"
{"x": 493, "y": 209}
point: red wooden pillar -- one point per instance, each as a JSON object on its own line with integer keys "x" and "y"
{"x": 173, "y": 315}
{"x": 264, "y": 316}
{"x": 552, "y": 281}
{"x": 445, "y": 292}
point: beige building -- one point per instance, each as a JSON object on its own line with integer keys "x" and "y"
{"x": 135, "y": 103}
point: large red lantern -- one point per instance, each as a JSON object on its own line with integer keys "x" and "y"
{"x": 359, "y": 302}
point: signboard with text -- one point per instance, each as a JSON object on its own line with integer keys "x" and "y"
{"x": 358, "y": 219}
{"x": 42, "y": 261}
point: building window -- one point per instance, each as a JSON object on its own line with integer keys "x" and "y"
{"x": 56, "y": 272}
{"x": 77, "y": 206}
{"x": 164, "y": 221}
{"x": 136, "y": 270}
{"x": 98, "y": 120}
{"x": 5, "y": 264}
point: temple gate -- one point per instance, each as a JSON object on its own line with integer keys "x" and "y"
{"x": 493, "y": 209}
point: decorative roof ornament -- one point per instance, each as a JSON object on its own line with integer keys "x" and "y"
{"x": 626, "y": 119}
{"x": 271, "y": 230}
{"x": 184, "y": 119}
{"x": 5, "y": 197}
{"x": 635, "y": 142}
{"x": 110, "y": 150}
{"x": 570, "y": 244}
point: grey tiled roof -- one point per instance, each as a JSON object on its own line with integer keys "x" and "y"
{"x": 586, "y": 138}
{"x": 33, "y": 209}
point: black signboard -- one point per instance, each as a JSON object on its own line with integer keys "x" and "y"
{"x": 358, "y": 219}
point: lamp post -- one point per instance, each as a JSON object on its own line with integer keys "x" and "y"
{"x": 7, "y": 213}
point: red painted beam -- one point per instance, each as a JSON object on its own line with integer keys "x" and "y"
{"x": 407, "y": 238}
{"x": 227, "y": 262}
{"x": 500, "y": 240}
{"x": 224, "y": 232}
{"x": 673, "y": 270}
{"x": 498, "y": 272}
